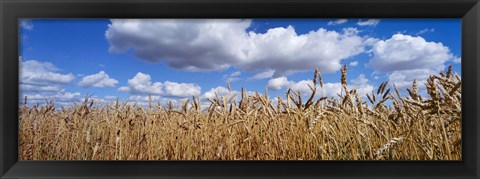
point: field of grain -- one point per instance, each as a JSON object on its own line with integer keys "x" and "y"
{"x": 382, "y": 126}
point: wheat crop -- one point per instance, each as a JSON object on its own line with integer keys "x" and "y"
{"x": 383, "y": 125}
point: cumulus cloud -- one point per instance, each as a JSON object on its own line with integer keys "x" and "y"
{"x": 279, "y": 83}
{"x": 262, "y": 75}
{"x": 237, "y": 73}
{"x": 195, "y": 45}
{"x": 404, "y": 78}
{"x": 283, "y": 50}
{"x": 34, "y": 72}
{"x": 302, "y": 86}
{"x": 369, "y": 22}
{"x": 61, "y": 98}
{"x": 181, "y": 89}
{"x": 144, "y": 98}
{"x": 404, "y": 52}
{"x": 144, "y": 101}
{"x": 124, "y": 89}
{"x": 337, "y": 22}
{"x": 405, "y": 58}
{"x": 329, "y": 89}
{"x": 220, "y": 91}
{"x": 99, "y": 80}
{"x": 142, "y": 84}
{"x": 362, "y": 84}
{"x": 370, "y": 41}
{"x": 354, "y": 63}
{"x": 42, "y": 80}
{"x": 457, "y": 60}
{"x": 214, "y": 45}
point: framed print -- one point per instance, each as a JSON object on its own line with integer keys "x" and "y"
{"x": 235, "y": 93}
{"x": 247, "y": 89}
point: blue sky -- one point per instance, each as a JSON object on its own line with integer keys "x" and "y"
{"x": 173, "y": 59}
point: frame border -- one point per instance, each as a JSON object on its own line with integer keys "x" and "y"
{"x": 12, "y": 10}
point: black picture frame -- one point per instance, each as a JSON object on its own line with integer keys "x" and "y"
{"x": 12, "y": 10}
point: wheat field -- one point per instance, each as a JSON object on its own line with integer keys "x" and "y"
{"x": 381, "y": 126}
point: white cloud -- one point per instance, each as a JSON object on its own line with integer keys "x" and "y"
{"x": 237, "y": 73}
{"x": 142, "y": 84}
{"x": 369, "y": 22}
{"x": 66, "y": 97}
{"x": 262, "y": 75}
{"x": 195, "y": 45}
{"x": 404, "y": 78}
{"x": 144, "y": 100}
{"x": 370, "y": 41}
{"x": 405, "y": 58}
{"x": 25, "y": 24}
{"x": 63, "y": 97}
{"x": 404, "y": 52}
{"x": 354, "y": 63}
{"x": 279, "y": 83}
{"x": 181, "y": 89}
{"x": 214, "y": 45}
{"x": 337, "y": 22}
{"x": 99, "y": 80}
{"x": 59, "y": 98}
{"x": 283, "y": 50}
{"x": 457, "y": 60}
{"x": 302, "y": 87}
{"x": 329, "y": 89}
{"x": 220, "y": 91}
{"x": 362, "y": 85}
{"x": 332, "y": 89}
{"x": 124, "y": 89}
{"x": 34, "y": 72}
{"x": 360, "y": 80}
{"x": 41, "y": 80}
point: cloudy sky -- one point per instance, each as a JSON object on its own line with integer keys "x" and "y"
{"x": 67, "y": 60}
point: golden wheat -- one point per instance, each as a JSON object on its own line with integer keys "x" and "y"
{"x": 413, "y": 127}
